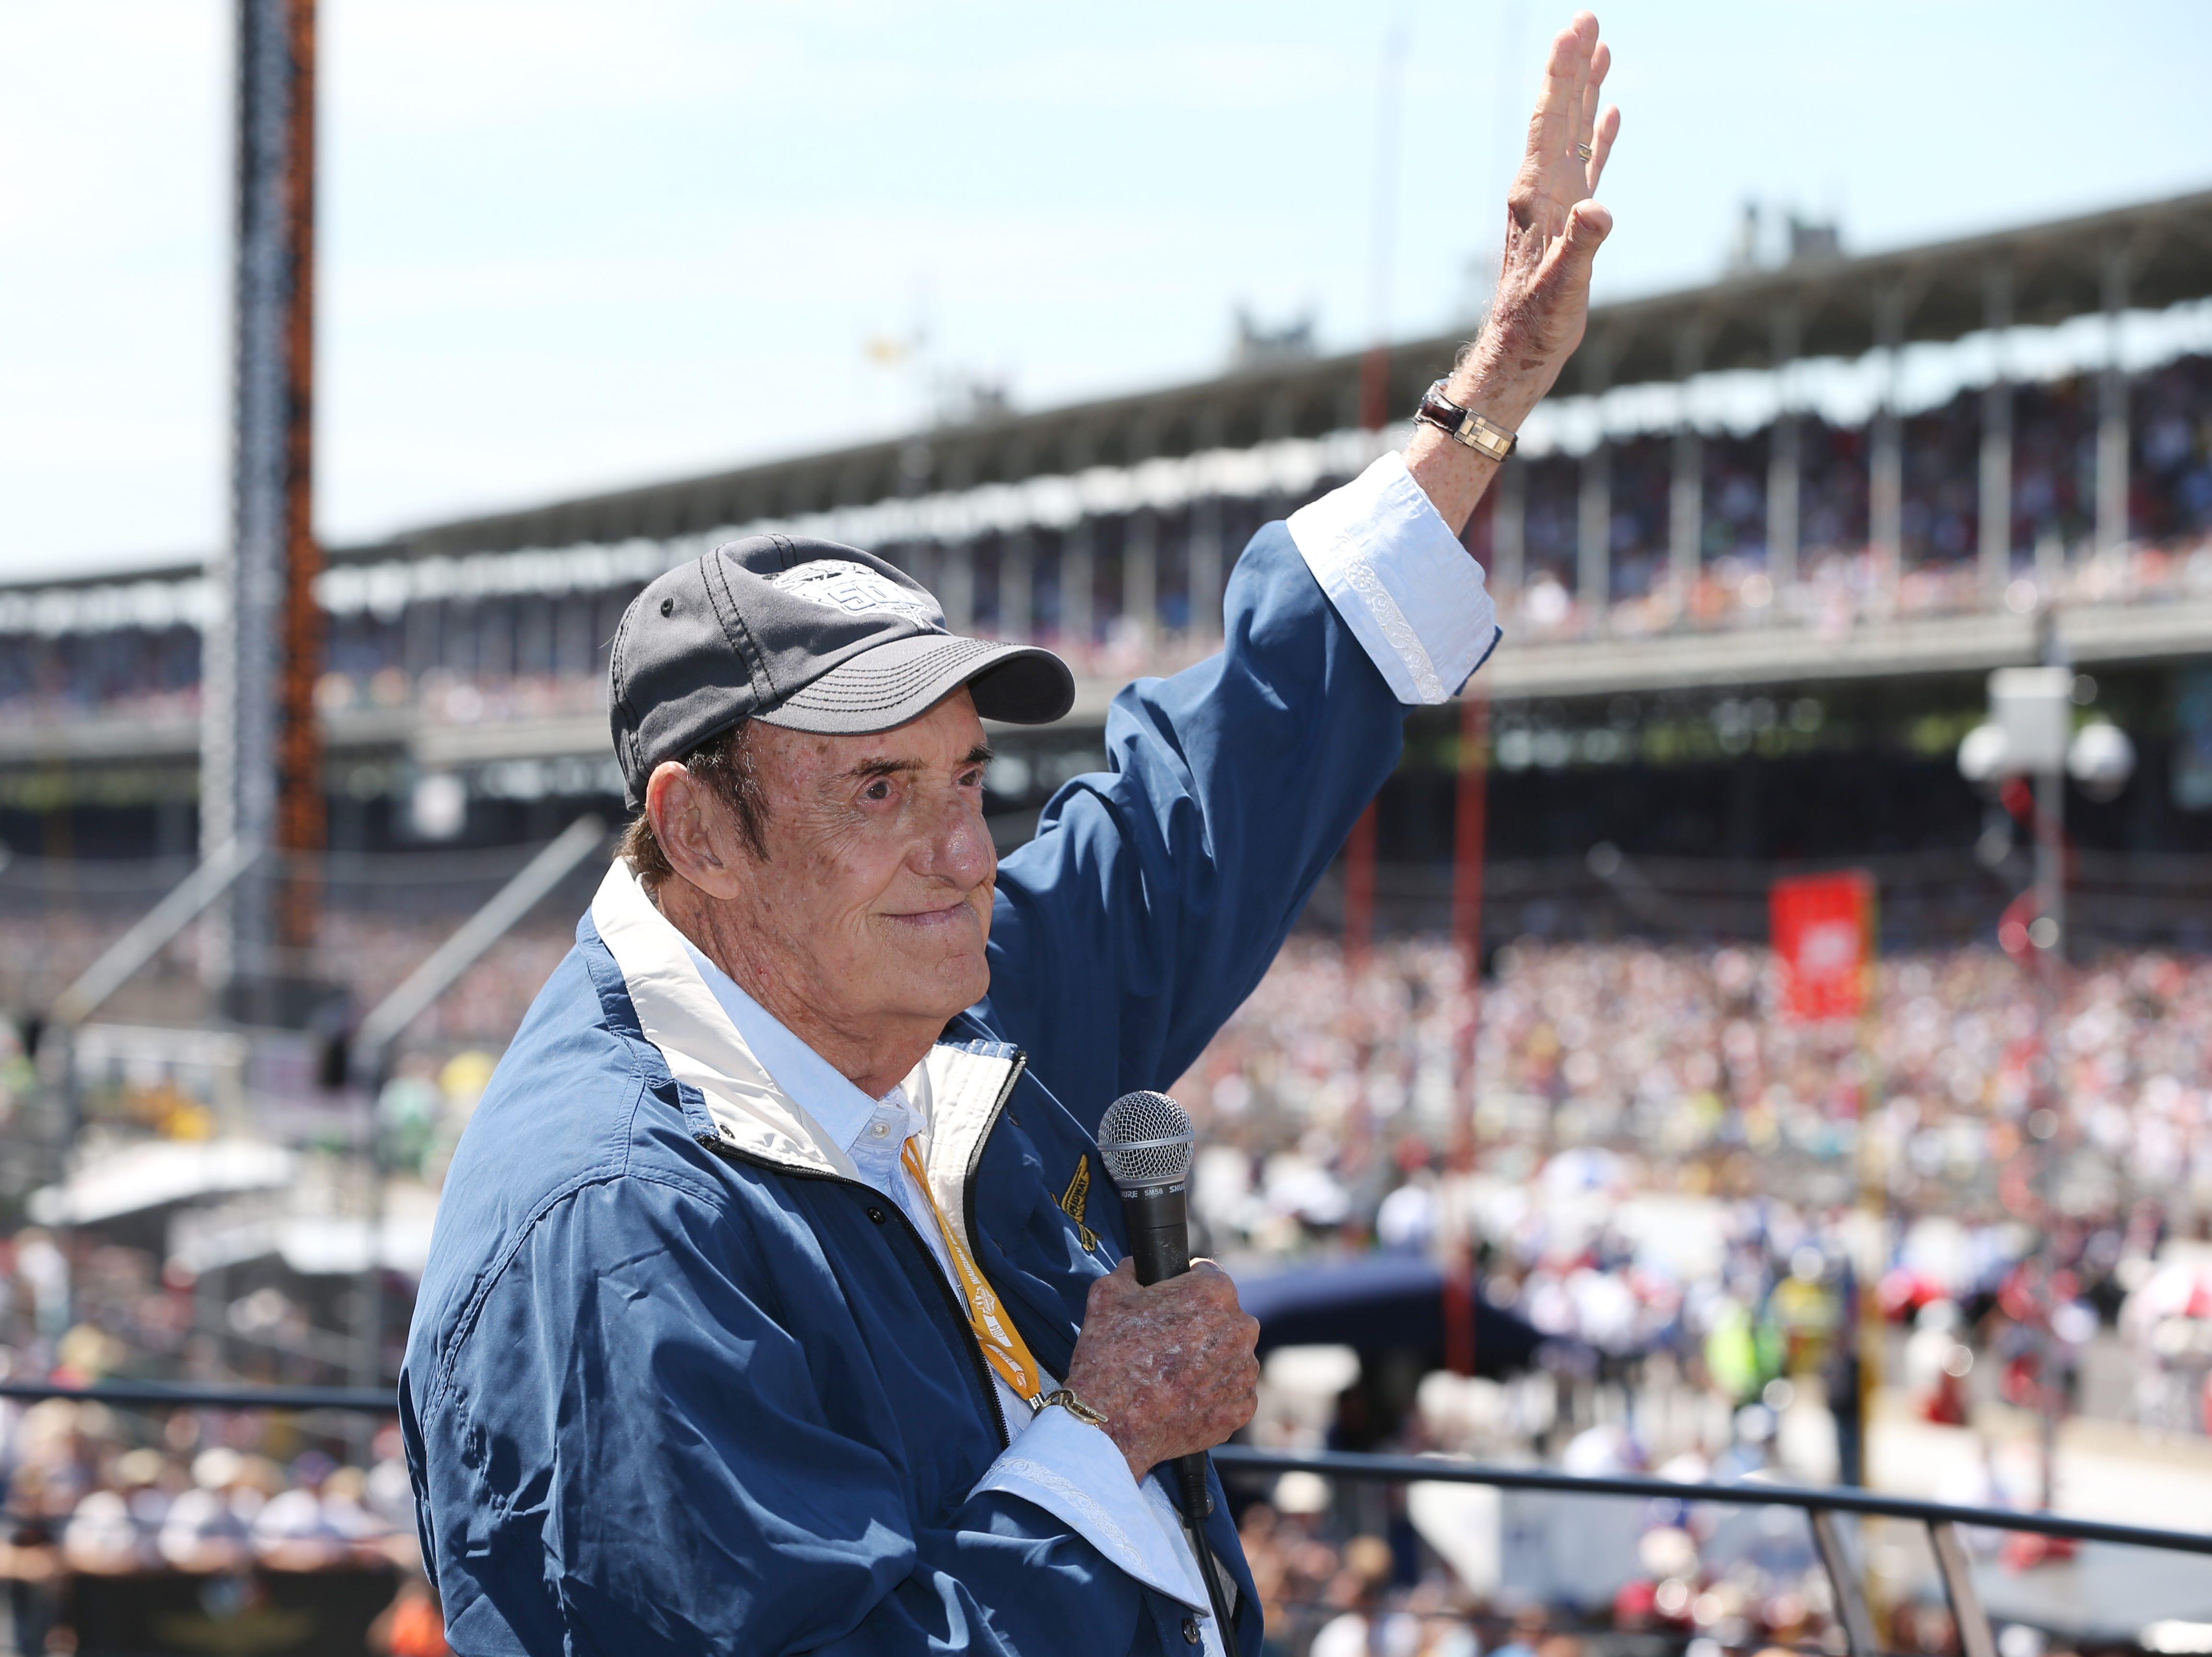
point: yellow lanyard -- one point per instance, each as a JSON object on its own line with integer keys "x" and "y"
{"x": 1004, "y": 1350}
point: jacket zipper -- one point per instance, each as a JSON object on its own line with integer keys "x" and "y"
{"x": 716, "y": 1143}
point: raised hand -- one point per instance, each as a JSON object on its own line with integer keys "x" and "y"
{"x": 1552, "y": 227}
{"x": 1553, "y": 232}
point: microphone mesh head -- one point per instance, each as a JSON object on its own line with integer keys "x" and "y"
{"x": 1144, "y": 1140}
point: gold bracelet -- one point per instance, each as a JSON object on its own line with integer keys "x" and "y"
{"x": 1477, "y": 431}
{"x": 1074, "y": 1406}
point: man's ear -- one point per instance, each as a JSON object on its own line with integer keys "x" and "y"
{"x": 694, "y": 828}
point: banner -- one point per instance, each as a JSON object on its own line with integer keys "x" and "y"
{"x": 1824, "y": 940}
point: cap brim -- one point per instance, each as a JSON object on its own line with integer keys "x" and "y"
{"x": 903, "y": 678}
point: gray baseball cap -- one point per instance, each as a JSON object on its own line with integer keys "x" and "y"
{"x": 804, "y": 634}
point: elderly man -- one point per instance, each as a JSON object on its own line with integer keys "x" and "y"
{"x": 777, "y": 1302}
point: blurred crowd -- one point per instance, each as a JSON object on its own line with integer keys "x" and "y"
{"x": 1637, "y": 1127}
{"x": 94, "y": 1493}
{"x": 202, "y": 1491}
{"x": 1332, "y": 1088}
{"x": 1649, "y": 1161}
{"x": 1643, "y": 1162}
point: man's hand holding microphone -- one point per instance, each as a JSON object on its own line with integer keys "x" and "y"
{"x": 1166, "y": 1352}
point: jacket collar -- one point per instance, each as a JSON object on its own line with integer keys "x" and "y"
{"x": 680, "y": 1017}
{"x": 964, "y": 1081}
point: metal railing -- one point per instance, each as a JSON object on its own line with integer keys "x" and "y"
{"x": 1822, "y": 1506}
{"x": 160, "y": 1395}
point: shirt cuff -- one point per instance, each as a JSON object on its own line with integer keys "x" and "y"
{"x": 1077, "y": 1474}
{"x": 1410, "y": 593}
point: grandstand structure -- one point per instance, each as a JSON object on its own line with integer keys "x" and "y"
{"x": 1678, "y": 589}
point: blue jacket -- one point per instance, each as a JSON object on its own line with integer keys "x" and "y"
{"x": 675, "y": 1383}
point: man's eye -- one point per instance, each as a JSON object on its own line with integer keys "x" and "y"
{"x": 878, "y": 789}
{"x": 972, "y": 780}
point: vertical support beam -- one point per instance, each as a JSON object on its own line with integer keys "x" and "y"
{"x": 1851, "y": 1609}
{"x": 925, "y": 562}
{"x": 1973, "y": 1622}
{"x": 1470, "y": 826}
{"x": 957, "y": 586}
{"x": 1995, "y": 501}
{"x": 1140, "y": 573}
{"x": 1686, "y": 503}
{"x": 1375, "y": 388}
{"x": 302, "y": 811}
{"x": 261, "y": 761}
{"x": 1076, "y": 576}
{"x": 2112, "y": 413}
{"x": 1594, "y": 532}
{"x": 1885, "y": 456}
{"x": 1017, "y": 586}
{"x": 1509, "y": 533}
{"x": 1784, "y": 455}
{"x": 2050, "y": 559}
{"x": 420, "y": 623}
{"x": 1205, "y": 563}
{"x": 2050, "y": 867}
{"x": 1594, "y": 508}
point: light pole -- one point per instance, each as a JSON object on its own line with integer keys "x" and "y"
{"x": 2030, "y": 734}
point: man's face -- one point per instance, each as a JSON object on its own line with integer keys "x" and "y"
{"x": 871, "y": 909}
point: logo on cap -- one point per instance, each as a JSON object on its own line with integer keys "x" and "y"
{"x": 855, "y": 589}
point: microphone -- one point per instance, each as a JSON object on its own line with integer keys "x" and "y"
{"x": 1145, "y": 1140}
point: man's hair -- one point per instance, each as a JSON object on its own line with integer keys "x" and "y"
{"x": 724, "y": 762}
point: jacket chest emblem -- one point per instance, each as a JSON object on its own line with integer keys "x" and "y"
{"x": 1071, "y": 1202}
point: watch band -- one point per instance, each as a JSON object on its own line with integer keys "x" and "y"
{"x": 1477, "y": 432}
{"x": 1075, "y": 1407}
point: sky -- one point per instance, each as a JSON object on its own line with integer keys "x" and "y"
{"x": 567, "y": 245}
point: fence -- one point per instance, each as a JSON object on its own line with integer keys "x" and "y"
{"x": 1846, "y": 1535}
{"x": 1858, "y": 1615}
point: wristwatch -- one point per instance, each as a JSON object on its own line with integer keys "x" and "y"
{"x": 1482, "y": 435}
{"x": 1075, "y": 1407}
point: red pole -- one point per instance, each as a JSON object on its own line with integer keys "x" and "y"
{"x": 1375, "y": 388}
{"x": 1359, "y": 849}
{"x": 1470, "y": 821}
{"x": 1459, "y": 1315}
{"x": 300, "y": 826}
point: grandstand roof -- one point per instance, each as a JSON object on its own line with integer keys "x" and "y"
{"x": 2160, "y": 251}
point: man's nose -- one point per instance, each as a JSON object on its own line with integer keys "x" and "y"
{"x": 957, "y": 847}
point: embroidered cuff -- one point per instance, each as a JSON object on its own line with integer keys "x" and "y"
{"x": 1077, "y": 1474}
{"x": 1401, "y": 581}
